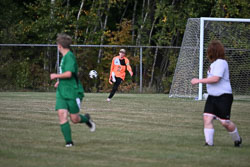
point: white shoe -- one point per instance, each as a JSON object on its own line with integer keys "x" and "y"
{"x": 90, "y": 123}
{"x": 92, "y": 128}
{"x": 69, "y": 144}
{"x": 108, "y": 99}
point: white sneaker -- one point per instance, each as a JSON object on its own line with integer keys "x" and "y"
{"x": 92, "y": 128}
{"x": 69, "y": 144}
{"x": 108, "y": 99}
{"x": 90, "y": 123}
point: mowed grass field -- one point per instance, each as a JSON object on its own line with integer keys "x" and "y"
{"x": 133, "y": 130}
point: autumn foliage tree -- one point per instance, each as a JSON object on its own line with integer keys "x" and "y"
{"x": 95, "y": 22}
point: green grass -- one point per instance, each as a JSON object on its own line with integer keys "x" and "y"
{"x": 149, "y": 130}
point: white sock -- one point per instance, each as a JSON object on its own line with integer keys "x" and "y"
{"x": 209, "y": 136}
{"x": 235, "y": 135}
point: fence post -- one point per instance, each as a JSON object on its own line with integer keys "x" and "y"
{"x": 57, "y": 62}
{"x": 140, "y": 69}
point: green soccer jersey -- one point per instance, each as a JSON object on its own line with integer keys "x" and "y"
{"x": 68, "y": 87}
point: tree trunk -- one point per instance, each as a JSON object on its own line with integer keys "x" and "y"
{"x": 103, "y": 30}
{"x": 151, "y": 31}
{"x": 153, "y": 21}
{"x": 133, "y": 21}
{"x": 144, "y": 17}
{"x": 155, "y": 57}
{"x": 77, "y": 19}
{"x": 67, "y": 11}
{"x": 164, "y": 64}
{"x": 153, "y": 68}
{"x": 48, "y": 63}
{"x": 138, "y": 39}
{"x": 87, "y": 29}
{"x": 133, "y": 32}
{"x": 124, "y": 12}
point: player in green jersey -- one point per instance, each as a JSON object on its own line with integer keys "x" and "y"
{"x": 69, "y": 92}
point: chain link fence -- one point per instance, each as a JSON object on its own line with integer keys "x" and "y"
{"x": 26, "y": 67}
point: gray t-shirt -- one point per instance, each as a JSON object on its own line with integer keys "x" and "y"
{"x": 219, "y": 68}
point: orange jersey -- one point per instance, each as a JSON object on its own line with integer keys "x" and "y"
{"x": 119, "y": 67}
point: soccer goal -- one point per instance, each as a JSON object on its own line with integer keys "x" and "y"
{"x": 192, "y": 61}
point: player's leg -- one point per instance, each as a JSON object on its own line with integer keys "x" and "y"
{"x": 208, "y": 129}
{"x": 208, "y": 118}
{"x": 224, "y": 105}
{"x": 65, "y": 126}
{"x": 229, "y": 125}
{"x": 80, "y": 118}
{"x": 76, "y": 117}
{"x": 233, "y": 131}
{"x": 115, "y": 87}
{"x": 62, "y": 111}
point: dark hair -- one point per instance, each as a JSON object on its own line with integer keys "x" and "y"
{"x": 215, "y": 51}
{"x": 64, "y": 40}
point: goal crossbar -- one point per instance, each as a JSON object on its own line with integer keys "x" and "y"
{"x": 234, "y": 34}
{"x": 202, "y": 20}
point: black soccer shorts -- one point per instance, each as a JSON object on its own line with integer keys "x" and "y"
{"x": 219, "y": 106}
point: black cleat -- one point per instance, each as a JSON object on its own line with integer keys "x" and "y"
{"x": 206, "y": 144}
{"x": 238, "y": 142}
{"x": 90, "y": 123}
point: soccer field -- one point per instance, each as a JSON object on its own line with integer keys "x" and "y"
{"x": 133, "y": 130}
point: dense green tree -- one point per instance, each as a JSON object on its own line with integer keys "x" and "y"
{"x": 116, "y": 22}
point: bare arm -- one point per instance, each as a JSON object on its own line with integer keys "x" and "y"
{"x": 210, "y": 80}
{"x": 56, "y": 84}
{"x": 111, "y": 70}
{"x": 130, "y": 70}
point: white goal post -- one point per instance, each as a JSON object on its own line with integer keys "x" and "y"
{"x": 235, "y": 36}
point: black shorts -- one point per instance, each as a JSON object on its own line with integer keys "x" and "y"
{"x": 219, "y": 106}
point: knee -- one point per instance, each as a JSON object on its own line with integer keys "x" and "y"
{"x": 74, "y": 120}
{"x": 208, "y": 121}
{"x": 62, "y": 115}
{"x": 226, "y": 124}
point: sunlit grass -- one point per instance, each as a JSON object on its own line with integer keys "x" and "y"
{"x": 132, "y": 130}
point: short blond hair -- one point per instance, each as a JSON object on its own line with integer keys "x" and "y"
{"x": 123, "y": 51}
{"x": 64, "y": 40}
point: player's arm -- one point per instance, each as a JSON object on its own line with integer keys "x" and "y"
{"x": 56, "y": 84}
{"x": 64, "y": 75}
{"x": 111, "y": 70}
{"x": 129, "y": 68}
{"x": 210, "y": 80}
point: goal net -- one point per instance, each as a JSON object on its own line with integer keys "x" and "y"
{"x": 192, "y": 61}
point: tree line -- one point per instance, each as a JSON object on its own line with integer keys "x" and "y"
{"x": 100, "y": 22}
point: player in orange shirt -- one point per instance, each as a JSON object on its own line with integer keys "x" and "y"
{"x": 118, "y": 71}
